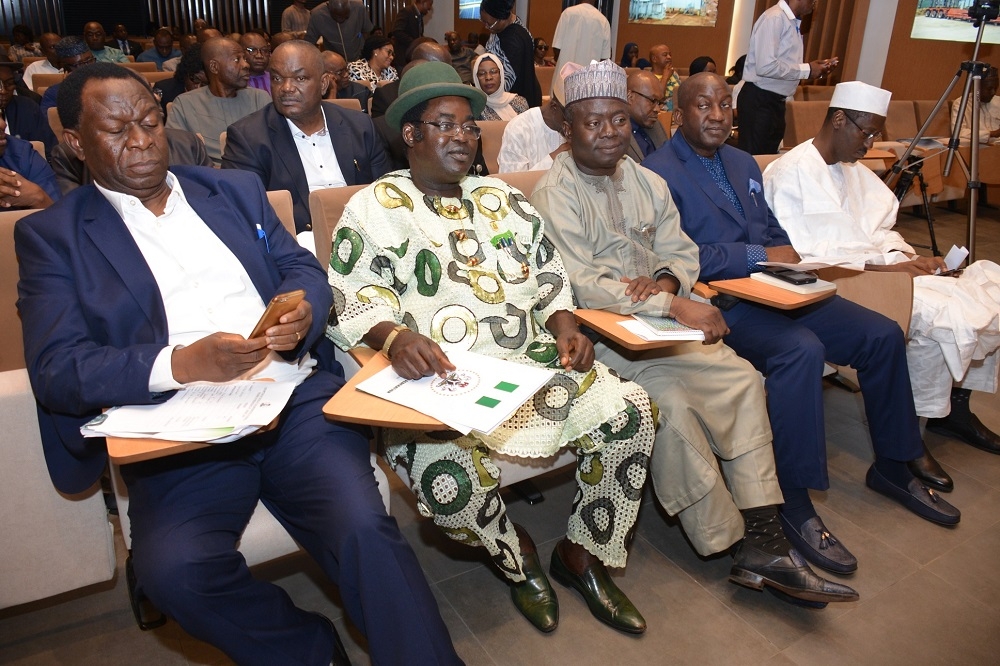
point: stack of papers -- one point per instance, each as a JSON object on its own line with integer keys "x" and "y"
{"x": 652, "y": 328}
{"x": 480, "y": 394}
{"x": 200, "y": 412}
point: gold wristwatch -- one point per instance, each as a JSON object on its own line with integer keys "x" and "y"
{"x": 389, "y": 339}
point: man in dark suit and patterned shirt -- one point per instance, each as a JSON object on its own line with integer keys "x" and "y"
{"x": 300, "y": 143}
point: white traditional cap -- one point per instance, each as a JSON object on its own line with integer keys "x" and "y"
{"x": 598, "y": 79}
{"x": 859, "y": 96}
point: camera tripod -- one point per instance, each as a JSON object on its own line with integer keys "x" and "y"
{"x": 982, "y": 12}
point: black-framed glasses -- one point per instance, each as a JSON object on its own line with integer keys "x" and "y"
{"x": 454, "y": 129}
{"x": 869, "y": 136}
{"x": 652, "y": 100}
{"x": 264, "y": 50}
{"x": 490, "y": 26}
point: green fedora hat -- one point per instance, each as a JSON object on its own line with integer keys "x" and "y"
{"x": 427, "y": 81}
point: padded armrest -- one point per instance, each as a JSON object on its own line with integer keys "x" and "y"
{"x": 703, "y": 290}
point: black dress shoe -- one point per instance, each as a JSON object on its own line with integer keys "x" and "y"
{"x": 801, "y": 603}
{"x": 534, "y": 596}
{"x": 790, "y": 574}
{"x": 606, "y": 602}
{"x": 916, "y": 497}
{"x": 815, "y": 543}
{"x": 928, "y": 470}
{"x": 339, "y": 657}
{"x": 969, "y": 429}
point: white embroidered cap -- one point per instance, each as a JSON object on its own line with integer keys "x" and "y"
{"x": 598, "y": 79}
{"x": 859, "y": 96}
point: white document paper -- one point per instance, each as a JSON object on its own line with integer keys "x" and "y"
{"x": 816, "y": 287}
{"x": 198, "y": 412}
{"x": 480, "y": 394}
{"x": 956, "y": 255}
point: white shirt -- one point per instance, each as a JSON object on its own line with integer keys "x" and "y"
{"x": 38, "y": 67}
{"x": 319, "y": 160}
{"x": 204, "y": 287}
{"x": 774, "y": 59}
{"x": 582, "y": 34}
{"x": 527, "y": 142}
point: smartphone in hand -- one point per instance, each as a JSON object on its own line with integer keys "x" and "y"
{"x": 280, "y": 305}
{"x": 788, "y": 275}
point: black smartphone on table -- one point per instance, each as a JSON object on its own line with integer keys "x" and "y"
{"x": 789, "y": 275}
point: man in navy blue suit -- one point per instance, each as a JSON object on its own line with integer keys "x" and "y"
{"x": 718, "y": 190}
{"x": 139, "y": 284}
{"x": 300, "y": 143}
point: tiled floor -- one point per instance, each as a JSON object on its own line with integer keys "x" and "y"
{"x": 928, "y": 594}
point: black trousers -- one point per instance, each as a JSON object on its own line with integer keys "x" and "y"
{"x": 762, "y": 120}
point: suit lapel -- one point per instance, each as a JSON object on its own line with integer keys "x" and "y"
{"x": 287, "y": 153}
{"x": 111, "y": 237}
{"x": 711, "y": 189}
{"x": 341, "y": 138}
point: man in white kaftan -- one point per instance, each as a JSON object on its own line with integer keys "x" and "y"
{"x": 835, "y": 210}
{"x": 989, "y": 111}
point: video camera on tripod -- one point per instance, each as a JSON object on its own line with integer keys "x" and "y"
{"x": 984, "y": 10}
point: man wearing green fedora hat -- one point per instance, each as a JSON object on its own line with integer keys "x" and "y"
{"x": 430, "y": 260}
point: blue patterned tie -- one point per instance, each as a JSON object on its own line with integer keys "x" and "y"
{"x": 718, "y": 173}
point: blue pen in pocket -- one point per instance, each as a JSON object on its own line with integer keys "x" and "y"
{"x": 755, "y": 189}
{"x": 262, "y": 234}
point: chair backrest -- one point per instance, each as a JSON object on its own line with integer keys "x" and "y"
{"x": 803, "y": 121}
{"x": 492, "y": 138}
{"x": 140, "y": 66}
{"x": 39, "y": 147}
{"x": 156, "y": 77}
{"x": 350, "y": 103}
{"x": 901, "y": 121}
{"x": 54, "y": 122}
{"x": 27, "y": 60}
{"x": 817, "y": 93}
{"x": 281, "y": 202}
{"x": 40, "y": 81}
{"x": 11, "y": 342}
{"x": 522, "y": 180}
{"x": 889, "y": 294}
{"x": 326, "y": 207}
{"x": 764, "y": 160}
{"x": 942, "y": 122}
{"x": 666, "y": 119}
{"x": 544, "y": 76}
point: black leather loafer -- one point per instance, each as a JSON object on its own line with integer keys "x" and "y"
{"x": 815, "y": 543}
{"x": 928, "y": 470}
{"x": 916, "y": 497}
{"x": 801, "y": 603}
{"x": 534, "y": 596}
{"x": 606, "y": 602}
{"x": 970, "y": 430}
{"x": 789, "y": 574}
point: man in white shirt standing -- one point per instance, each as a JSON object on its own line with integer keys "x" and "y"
{"x": 582, "y": 34}
{"x": 773, "y": 70}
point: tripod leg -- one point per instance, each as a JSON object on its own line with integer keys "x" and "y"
{"x": 930, "y": 218}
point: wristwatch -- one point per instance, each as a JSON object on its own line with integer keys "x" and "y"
{"x": 389, "y": 339}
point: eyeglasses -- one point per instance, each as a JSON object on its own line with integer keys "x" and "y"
{"x": 263, "y": 50}
{"x": 77, "y": 65}
{"x": 454, "y": 129}
{"x": 869, "y": 136}
{"x": 652, "y": 100}
{"x": 490, "y": 26}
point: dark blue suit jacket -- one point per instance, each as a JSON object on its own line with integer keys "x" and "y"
{"x": 707, "y": 215}
{"x": 25, "y": 120}
{"x": 262, "y": 143}
{"x": 91, "y": 311}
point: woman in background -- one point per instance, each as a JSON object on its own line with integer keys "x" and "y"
{"x": 487, "y": 75}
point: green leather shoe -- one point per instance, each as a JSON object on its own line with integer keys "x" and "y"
{"x": 606, "y": 602}
{"x": 534, "y": 596}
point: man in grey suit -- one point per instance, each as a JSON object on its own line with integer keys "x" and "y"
{"x": 645, "y": 101}
{"x": 300, "y": 143}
